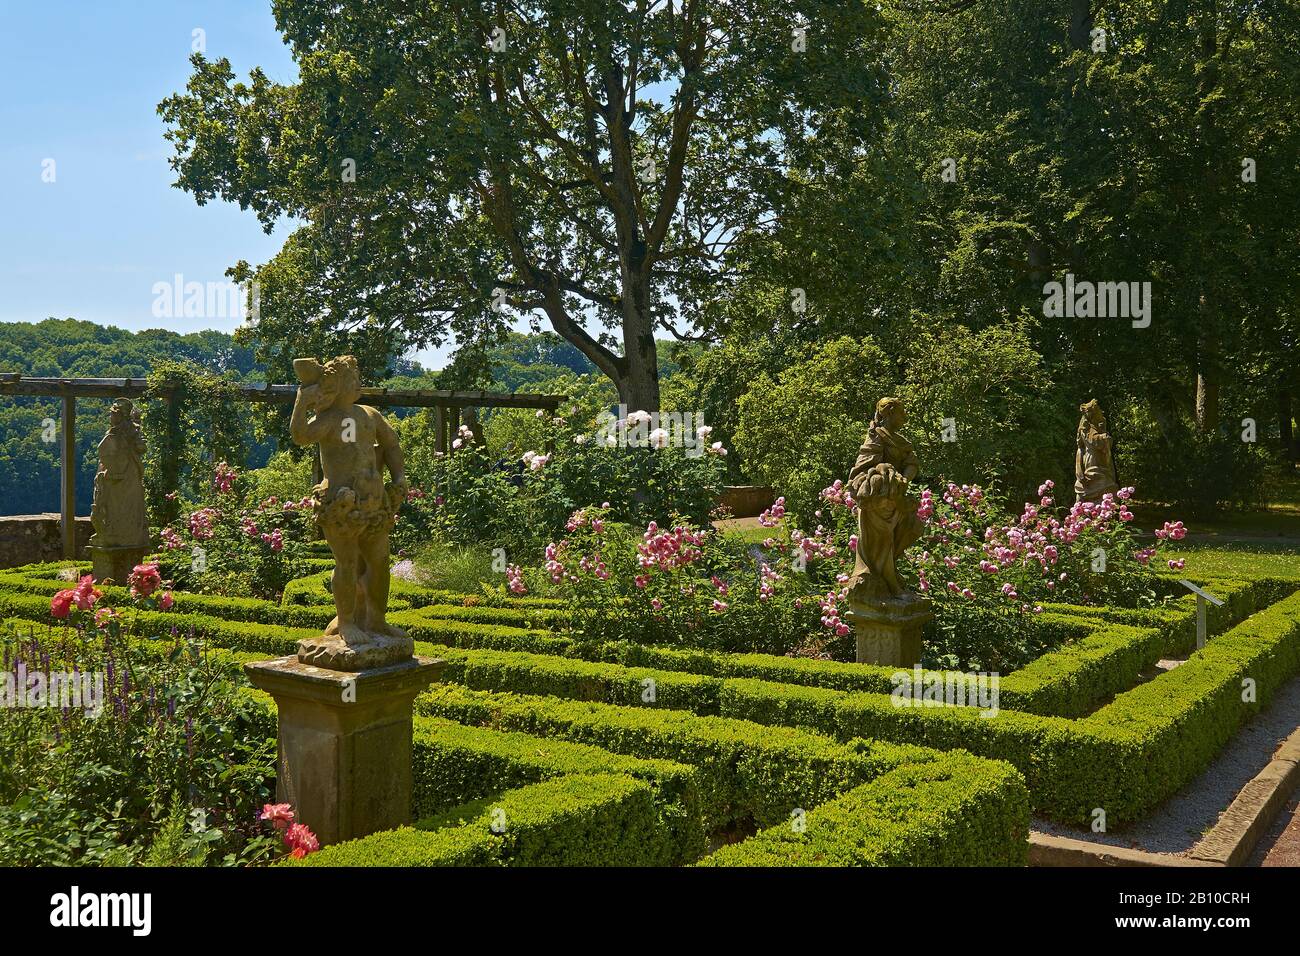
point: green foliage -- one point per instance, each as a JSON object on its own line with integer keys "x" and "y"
{"x": 174, "y": 736}
{"x": 801, "y": 431}
{"x": 578, "y": 820}
{"x": 65, "y": 348}
{"x": 745, "y": 772}
{"x": 956, "y": 810}
{"x": 283, "y": 477}
{"x": 453, "y": 764}
{"x": 523, "y": 502}
{"x": 1203, "y": 473}
{"x": 571, "y": 226}
{"x": 712, "y": 382}
{"x": 992, "y": 386}
{"x": 192, "y": 421}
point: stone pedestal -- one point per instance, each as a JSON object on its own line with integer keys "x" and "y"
{"x": 889, "y": 631}
{"x": 345, "y": 742}
{"x": 115, "y": 562}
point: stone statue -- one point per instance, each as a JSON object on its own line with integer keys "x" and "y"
{"x": 887, "y": 521}
{"x": 1094, "y": 467}
{"x": 889, "y": 619}
{"x": 469, "y": 419}
{"x": 118, "y": 513}
{"x": 356, "y": 511}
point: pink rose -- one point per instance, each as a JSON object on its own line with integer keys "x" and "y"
{"x": 61, "y": 603}
{"x": 280, "y": 815}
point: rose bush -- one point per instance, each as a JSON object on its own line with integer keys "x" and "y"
{"x": 519, "y": 503}
{"x": 230, "y": 544}
{"x": 987, "y": 572}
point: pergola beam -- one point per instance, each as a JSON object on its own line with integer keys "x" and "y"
{"x": 17, "y": 384}
{"x": 70, "y": 389}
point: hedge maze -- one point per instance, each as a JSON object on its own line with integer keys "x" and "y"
{"x": 539, "y": 749}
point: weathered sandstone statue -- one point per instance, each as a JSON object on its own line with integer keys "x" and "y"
{"x": 888, "y": 618}
{"x": 1094, "y": 466}
{"x": 118, "y": 513}
{"x": 887, "y": 521}
{"x": 356, "y": 511}
{"x": 345, "y": 703}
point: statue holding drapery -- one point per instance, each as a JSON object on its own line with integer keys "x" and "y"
{"x": 887, "y": 521}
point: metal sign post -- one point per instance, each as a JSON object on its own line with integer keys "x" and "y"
{"x": 1201, "y": 598}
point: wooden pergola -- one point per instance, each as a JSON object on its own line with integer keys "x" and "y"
{"x": 70, "y": 389}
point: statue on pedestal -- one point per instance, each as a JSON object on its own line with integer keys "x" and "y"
{"x": 344, "y": 703}
{"x": 887, "y": 521}
{"x": 355, "y": 509}
{"x": 1094, "y": 466}
{"x": 118, "y": 514}
{"x": 888, "y": 618}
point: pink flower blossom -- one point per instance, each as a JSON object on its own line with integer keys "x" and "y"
{"x": 279, "y": 815}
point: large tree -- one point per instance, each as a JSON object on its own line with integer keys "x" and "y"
{"x": 598, "y": 163}
{"x": 1104, "y": 138}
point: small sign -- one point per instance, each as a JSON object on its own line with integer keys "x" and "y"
{"x": 1199, "y": 593}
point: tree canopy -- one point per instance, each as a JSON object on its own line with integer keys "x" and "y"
{"x": 456, "y": 163}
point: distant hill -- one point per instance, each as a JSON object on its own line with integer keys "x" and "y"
{"x": 29, "y": 466}
{"x": 56, "y": 348}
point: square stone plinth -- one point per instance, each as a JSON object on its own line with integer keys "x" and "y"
{"x": 345, "y": 742}
{"x": 889, "y": 632}
{"x": 115, "y": 563}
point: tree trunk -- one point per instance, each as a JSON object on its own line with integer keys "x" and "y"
{"x": 1284, "y": 406}
{"x": 1207, "y": 399}
{"x": 1207, "y": 373}
{"x": 1081, "y": 24}
{"x": 639, "y": 387}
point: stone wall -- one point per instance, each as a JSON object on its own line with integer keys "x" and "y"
{"x": 27, "y": 539}
{"x": 747, "y": 501}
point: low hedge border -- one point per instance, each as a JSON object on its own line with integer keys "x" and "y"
{"x": 1124, "y": 758}
{"x": 747, "y": 772}
{"x": 956, "y": 810}
{"x": 314, "y": 589}
{"x": 1098, "y": 663}
{"x": 186, "y": 602}
{"x": 454, "y": 764}
{"x": 1045, "y": 747}
{"x": 576, "y": 820}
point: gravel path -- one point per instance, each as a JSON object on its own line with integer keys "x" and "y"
{"x": 1177, "y": 824}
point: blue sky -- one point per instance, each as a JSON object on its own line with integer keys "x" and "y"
{"x": 81, "y": 80}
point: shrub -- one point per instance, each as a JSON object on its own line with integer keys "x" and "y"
{"x": 800, "y": 431}
{"x": 956, "y": 810}
{"x": 578, "y": 820}
{"x": 1196, "y": 471}
{"x": 453, "y": 764}
{"x": 747, "y": 772}
{"x": 175, "y": 738}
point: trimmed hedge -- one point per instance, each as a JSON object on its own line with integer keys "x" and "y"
{"x": 1100, "y": 660}
{"x": 956, "y": 810}
{"x": 1125, "y": 758}
{"x": 578, "y": 820}
{"x": 314, "y": 589}
{"x": 453, "y": 764}
{"x": 746, "y": 771}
